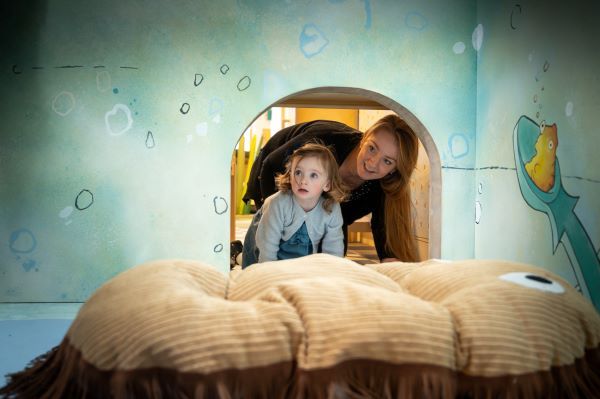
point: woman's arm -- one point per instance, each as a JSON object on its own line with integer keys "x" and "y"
{"x": 369, "y": 198}
{"x": 378, "y": 228}
{"x": 272, "y": 166}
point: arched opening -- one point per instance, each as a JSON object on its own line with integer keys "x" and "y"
{"x": 359, "y": 108}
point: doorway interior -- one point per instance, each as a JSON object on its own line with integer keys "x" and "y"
{"x": 357, "y": 110}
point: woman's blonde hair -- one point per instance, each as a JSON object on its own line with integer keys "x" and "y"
{"x": 336, "y": 192}
{"x": 399, "y": 224}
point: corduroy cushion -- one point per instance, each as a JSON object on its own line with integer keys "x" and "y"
{"x": 322, "y": 326}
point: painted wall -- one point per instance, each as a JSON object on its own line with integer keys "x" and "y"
{"x": 120, "y": 117}
{"x": 539, "y": 64}
{"x": 118, "y": 122}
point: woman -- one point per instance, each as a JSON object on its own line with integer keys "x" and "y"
{"x": 375, "y": 167}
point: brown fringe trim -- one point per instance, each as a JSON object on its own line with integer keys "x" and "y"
{"x": 365, "y": 379}
{"x": 63, "y": 373}
{"x": 578, "y": 380}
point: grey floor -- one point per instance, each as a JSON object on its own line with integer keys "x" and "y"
{"x": 28, "y": 330}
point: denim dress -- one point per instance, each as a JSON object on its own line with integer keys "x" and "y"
{"x": 298, "y": 245}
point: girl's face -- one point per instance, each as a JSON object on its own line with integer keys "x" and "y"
{"x": 377, "y": 156}
{"x": 309, "y": 179}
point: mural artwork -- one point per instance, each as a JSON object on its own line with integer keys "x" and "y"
{"x": 538, "y": 172}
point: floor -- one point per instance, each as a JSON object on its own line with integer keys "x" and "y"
{"x": 28, "y": 330}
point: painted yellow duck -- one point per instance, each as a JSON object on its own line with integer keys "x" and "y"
{"x": 541, "y": 166}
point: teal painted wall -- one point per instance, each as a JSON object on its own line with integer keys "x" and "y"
{"x": 119, "y": 119}
{"x": 540, "y": 60}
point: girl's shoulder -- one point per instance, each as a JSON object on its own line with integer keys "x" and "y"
{"x": 279, "y": 199}
{"x": 336, "y": 210}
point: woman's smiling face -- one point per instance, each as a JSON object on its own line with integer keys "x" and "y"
{"x": 377, "y": 156}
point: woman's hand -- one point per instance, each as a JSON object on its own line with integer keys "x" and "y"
{"x": 386, "y": 260}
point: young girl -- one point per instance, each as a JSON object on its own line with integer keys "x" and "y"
{"x": 304, "y": 215}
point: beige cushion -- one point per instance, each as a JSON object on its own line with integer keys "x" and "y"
{"x": 322, "y": 310}
{"x": 322, "y": 326}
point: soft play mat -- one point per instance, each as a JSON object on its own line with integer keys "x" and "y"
{"x": 326, "y": 327}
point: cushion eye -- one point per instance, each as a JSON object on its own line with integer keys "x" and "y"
{"x": 534, "y": 281}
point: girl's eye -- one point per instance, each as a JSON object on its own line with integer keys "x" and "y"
{"x": 387, "y": 162}
{"x": 371, "y": 148}
{"x": 314, "y": 175}
{"x": 297, "y": 172}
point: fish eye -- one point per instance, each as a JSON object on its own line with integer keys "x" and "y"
{"x": 542, "y": 125}
{"x": 550, "y": 144}
{"x": 533, "y": 281}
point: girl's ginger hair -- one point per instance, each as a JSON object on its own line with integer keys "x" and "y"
{"x": 337, "y": 191}
{"x": 399, "y": 223}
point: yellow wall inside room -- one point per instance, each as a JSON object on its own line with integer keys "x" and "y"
{"x": 347, "y": 116}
